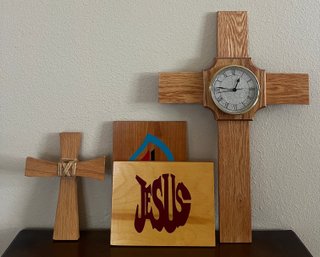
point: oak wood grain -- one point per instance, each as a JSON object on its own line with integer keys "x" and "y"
{"x": 286, "y": 88}
{"x": 128, "y": 136}
{"x": 181, "y": 87}
{"x": 197, "y": 177}
{"x": 232, "y": 35}
{"x": 234, "y": 182}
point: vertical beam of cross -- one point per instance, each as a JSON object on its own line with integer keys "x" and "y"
{"x": 233, "y": 144}
{"x": 67, "y": 215}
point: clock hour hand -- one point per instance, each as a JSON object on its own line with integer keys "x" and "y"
{"x": 237, "y": 83}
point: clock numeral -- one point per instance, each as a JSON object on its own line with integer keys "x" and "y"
{"x": 226, "y": 105}
{"x": 249, "y": 80}
{"x": 250, "y": 97}
{"x": 219, "y": 98}
{"x": 217, "y": 90}
{"x": 234, "y": 107}
{"x": 252, "y": 89}
{"x": 233, "y": 72}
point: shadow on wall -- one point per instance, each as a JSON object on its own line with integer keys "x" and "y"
{"x": 206, "y": 46}
{"x": 145, "y": 89}
{"x": 6, "y": 237}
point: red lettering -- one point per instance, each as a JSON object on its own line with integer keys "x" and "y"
{"x": 179, "y": 218}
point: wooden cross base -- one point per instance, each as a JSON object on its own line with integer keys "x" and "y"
{"x": 67, "y": 217}
{"x": 233, "y": 130}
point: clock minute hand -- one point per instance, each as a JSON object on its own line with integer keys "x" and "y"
{"x": 223, "y": 88}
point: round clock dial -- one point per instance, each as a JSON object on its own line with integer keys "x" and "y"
{"x": 234, "y": 89}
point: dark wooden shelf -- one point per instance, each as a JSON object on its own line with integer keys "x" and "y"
{"x": 95, "y": 243}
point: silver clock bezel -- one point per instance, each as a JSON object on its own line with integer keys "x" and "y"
{"x": 222, "y": 108}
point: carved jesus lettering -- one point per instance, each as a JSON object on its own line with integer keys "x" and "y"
{"x": 155, "y": 199}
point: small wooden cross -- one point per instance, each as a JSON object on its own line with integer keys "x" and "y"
{"x": 233, "y": 130}
{"x": 69, "y": 168}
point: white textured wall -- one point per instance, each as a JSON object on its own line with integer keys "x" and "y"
{"x": 79, "y": 65}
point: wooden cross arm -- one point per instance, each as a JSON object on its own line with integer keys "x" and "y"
{"x": 39, "y": 168}
{"x": 187, "y": 87}
{"x": 284, "y": 88}
{"x": 181, "y": 87}
{"x": 92, "y": 168}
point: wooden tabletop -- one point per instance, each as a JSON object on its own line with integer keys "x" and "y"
{"x": 95, "y": 243}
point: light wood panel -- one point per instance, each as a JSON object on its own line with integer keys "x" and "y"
{"x": 197, "y": 178}
{"x": 232, "y": 35}
{"x": 128, "y": 136}
{"x": 181, "y": 87}
{"x": 286, "y": 88}
{"x": 234, "y": 182}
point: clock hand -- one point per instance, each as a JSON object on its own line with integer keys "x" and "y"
{"x": 230, "y": 90}
{"x": 235, "y": 87}
{"x": 223, "y": 87}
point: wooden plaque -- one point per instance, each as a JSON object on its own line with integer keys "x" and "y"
{"x": 163, "y": 204}
{"x": 149, "y": 140}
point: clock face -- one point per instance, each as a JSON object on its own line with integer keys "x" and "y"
{"x": 234, "y": 89}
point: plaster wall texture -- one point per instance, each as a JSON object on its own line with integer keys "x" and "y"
{"x": 79, "y": 65}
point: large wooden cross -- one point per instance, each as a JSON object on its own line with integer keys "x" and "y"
{"x": 233, "y": 130}
{"x": 67, "y": 217}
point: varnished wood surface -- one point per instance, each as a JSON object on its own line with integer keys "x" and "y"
{"x": 198, "y": 179}
{"x": 128, "y": 136}
{"x": 234, "y": 181}
{"x": 38, "y": 243}
{"x": 286, "y": 88}
{"x": 181, "y": 87}
{"x": 232, "y": 35}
